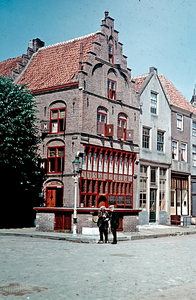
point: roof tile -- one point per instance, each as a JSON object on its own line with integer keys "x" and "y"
{"x": 56, "y": 65}
{"x": 7, "y": 65}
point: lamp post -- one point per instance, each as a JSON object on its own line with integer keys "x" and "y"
{"x": 76, "y": 171}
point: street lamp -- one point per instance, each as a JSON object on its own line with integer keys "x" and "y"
{"x": 76, "y": 171}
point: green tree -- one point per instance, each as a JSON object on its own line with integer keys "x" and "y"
{"x": 21, "y": 180}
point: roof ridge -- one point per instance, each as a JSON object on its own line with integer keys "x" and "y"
{"x": 139, "y": 76}
{"x": 66, "y": 42}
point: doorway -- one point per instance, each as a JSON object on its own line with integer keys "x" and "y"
{"x": 153, "y": 196}
{"x": 54, "y": 197}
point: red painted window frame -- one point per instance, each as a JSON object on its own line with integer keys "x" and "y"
{"x": 57, "y": 119}
{"x": 97, "y": 178}
{"x": 102, "y": 114}
{"x": 56, "y": 160}
{"x": 111, "y": 54}
{"x": 125, "y": 128}
{"x": 111, "y": 92}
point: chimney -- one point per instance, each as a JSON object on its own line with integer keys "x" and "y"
{"x": 106, "y": 13}
{"x": 35, "y": 44}
{"x": 153, "y": 70}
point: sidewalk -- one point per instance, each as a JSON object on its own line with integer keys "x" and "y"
{"x": 144, "y": 232}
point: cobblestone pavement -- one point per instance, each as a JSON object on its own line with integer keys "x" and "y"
{"x": 144, "y": 269}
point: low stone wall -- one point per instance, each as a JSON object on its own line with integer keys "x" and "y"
{"x": 130, "y": 223}
{"x": 45, "y": 221}
{"x": 85, "y": 220}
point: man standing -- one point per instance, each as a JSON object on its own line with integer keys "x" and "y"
{"x": 114, "y": 222}
{"x": 103, "y": 224}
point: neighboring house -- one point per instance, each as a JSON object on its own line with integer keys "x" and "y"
{"x": 155, "y": 147}
{"x": 88, "y": 106}
{"x": 12, "y": 67}
{"x": 183, "y": 149}
{"x": 193, "y": 154}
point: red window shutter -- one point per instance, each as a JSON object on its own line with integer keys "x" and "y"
{"x": 45, "y": 126}
{"x": 120, "y": 132}
{"x": 109, "y": 130}
{"x": 129, "y": 135}
{"x": 100, "y": 128}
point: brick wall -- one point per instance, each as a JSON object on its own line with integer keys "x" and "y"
{"x": 85, "y": 220}
{"x": 45, "y": 221}
{"x": 130, "y": 223}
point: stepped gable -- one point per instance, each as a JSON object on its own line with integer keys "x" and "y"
{"x": 139, "y": 80}
{"x": 56, "y": 65}
{"x": 174, "y": 96}
{"x": 7, "y": 65}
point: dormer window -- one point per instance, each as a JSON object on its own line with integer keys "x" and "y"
{"x": 111, "y": 89}
{"x": 111, "y": 53}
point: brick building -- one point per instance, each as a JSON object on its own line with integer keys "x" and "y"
{"x": 88, "y": 107}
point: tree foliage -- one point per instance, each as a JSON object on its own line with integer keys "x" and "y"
{"x": 19, "y": 140}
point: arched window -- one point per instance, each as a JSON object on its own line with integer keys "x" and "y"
{"x": 101, "y": 121}
{"x": 111, "y": 52}
{"x": 57, "y": 120}
{"x": 122, "y": 126}
{"x": 112, "y": 84}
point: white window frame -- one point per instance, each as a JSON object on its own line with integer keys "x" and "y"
{"x": 183, "y": 152}
{"x": 153, "y": 103}
{"x": 179, "y": 122}
{"x": 160, "y": 143}
{"x": 194, "y": 155}
{"x": 194, "y": 128}
{"x": 176, "y": 154}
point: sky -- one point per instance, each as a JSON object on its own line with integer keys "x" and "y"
{"x": 158, "y": 33}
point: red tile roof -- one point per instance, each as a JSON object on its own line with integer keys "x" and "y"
{"x": 7, "y": 65}
{"x": 56, "y": 65}
{"x": 174, "y": 96}
{"x": 139, "y": 80}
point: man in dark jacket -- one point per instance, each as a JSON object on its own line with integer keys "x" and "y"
{"x": 114, "y": 222}
{"x": 103, "y": 224}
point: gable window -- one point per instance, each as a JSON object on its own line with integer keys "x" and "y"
{"x": 160, "y": 141}
{"x": 57, "y": 120}
{"x": 183, "y": 152}
{"x": 153, "y": 103}
{"x": 122, "y": 125}
{"x": 56, "y": 159}
{"x": 146, "y": 138}
{"x": 111, "y": 89}
{"x": 194, "y": 155}
{"x": 101, "y": 122}
{"x": 111, "y": 53}
{"x": 194, "y": 129}
{"x": 179, "y": 122}
{"x": 174, "y": 150}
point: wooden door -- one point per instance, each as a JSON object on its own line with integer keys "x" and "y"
{"x": 51, "y": 197}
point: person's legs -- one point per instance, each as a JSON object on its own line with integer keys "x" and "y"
{"x": 106, "y": 235}
{"x": 101, "y": 234}
{"x": 114, "y": 235}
